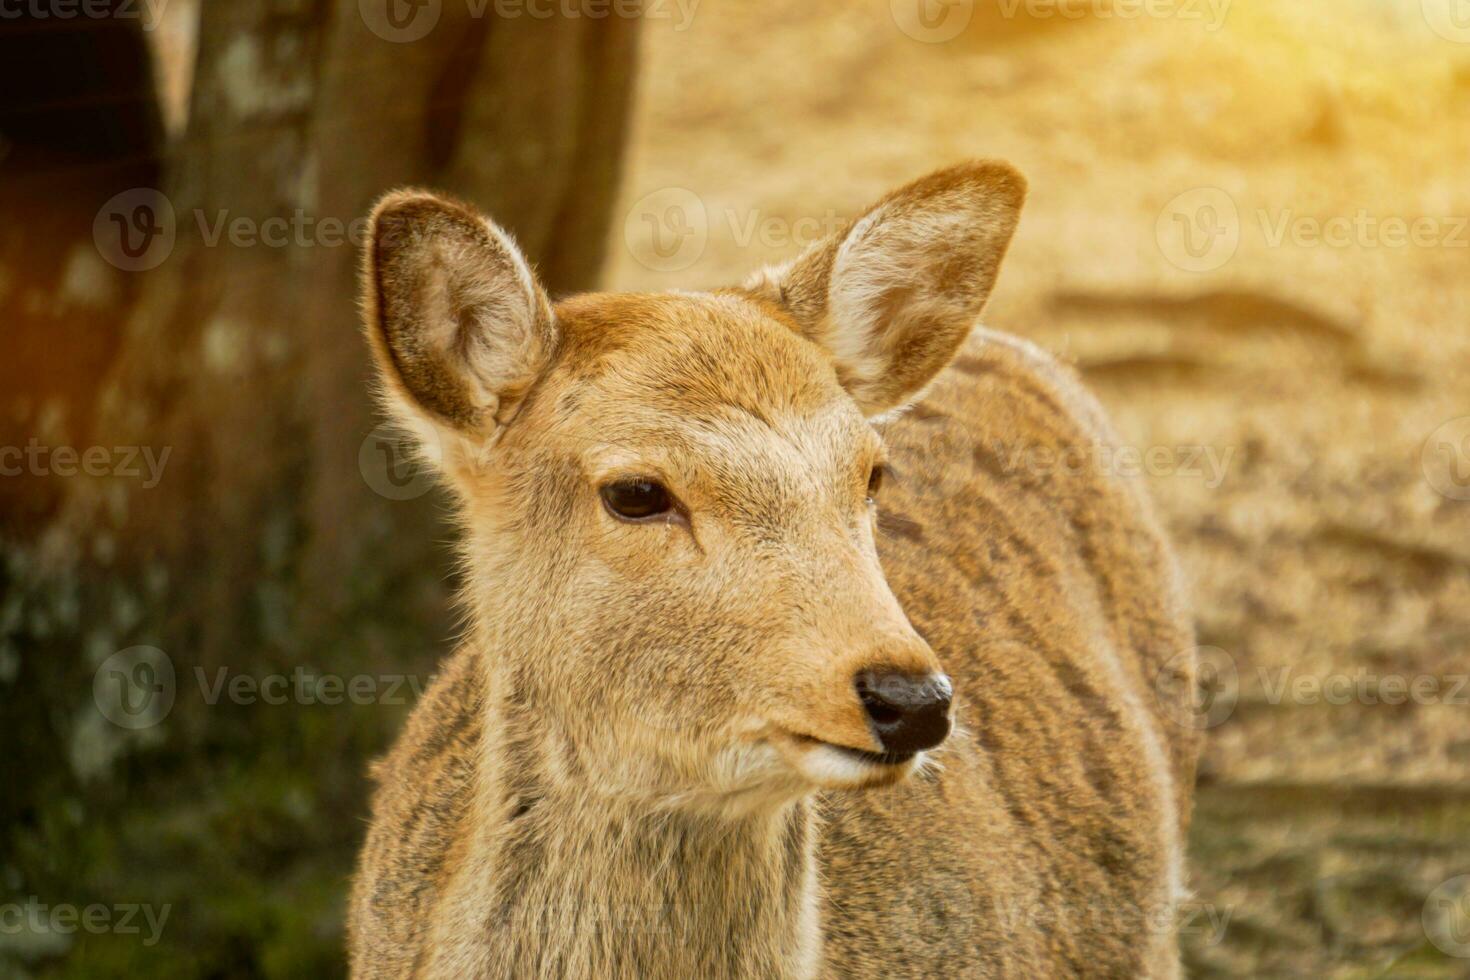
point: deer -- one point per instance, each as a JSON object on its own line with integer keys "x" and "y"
{"x": 776, "y": 662}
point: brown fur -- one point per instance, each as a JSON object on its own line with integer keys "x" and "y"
{"x": 619, "y": 774}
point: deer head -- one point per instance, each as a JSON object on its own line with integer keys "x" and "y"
{"x": 668, "y": 500}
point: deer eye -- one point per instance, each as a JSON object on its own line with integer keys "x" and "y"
{"x": 875, "y": 481}
{"x": 637, "y": 500}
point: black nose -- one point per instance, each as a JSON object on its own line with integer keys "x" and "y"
{"x": 907, "y": 713}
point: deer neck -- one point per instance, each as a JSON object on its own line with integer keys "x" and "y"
{"x": 582, "y": 885}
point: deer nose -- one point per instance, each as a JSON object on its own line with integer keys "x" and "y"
{"x": 908, "y": 713}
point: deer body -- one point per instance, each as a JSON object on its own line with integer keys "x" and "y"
{"x": 649, "y": 758}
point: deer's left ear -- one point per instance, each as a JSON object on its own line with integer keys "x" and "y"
{"x": 893, "y": 296}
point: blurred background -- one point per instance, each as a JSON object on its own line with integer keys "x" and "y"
{"x": 222, "y": 583}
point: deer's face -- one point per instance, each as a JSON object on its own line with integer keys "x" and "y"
{"x": 670, "y": 500}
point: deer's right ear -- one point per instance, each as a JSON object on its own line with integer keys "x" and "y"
{"x": 458, "y": 325}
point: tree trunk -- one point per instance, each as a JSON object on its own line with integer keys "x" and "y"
{"x": 282, "y": 531}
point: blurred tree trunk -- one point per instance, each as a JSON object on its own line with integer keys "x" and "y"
{"x": 69, "y": 140}
{"x": 244, "y": 358}
{"x": 264, "y": 543}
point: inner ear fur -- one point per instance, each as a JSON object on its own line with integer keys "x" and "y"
{"x": 893, "y": 296}
{"x": 458, "y": 325}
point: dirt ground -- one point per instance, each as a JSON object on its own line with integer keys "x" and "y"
{"x": 1247, "y": 229}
